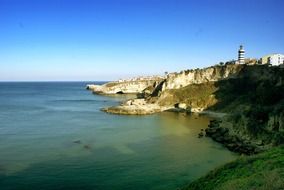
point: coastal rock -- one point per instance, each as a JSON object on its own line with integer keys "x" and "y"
{"x": 94, "y": 87}
{"x": 77, "y": 141}
{"x": 88, "y": 147}
{"x": 276, "y": 122}
{"x": 192, "y": 90}
{"x": 182, "y": 106}
{"x": 132, "y": 86}
{"x": 155, "y": 89}
{"x": 232, "y": 142}
{"x": 200, "y": 134}
{"x": 178, "y": 107}
{"x": 198, "y": 76}
{"x": 135, "y": 109}
{"x": 136, "y": 102}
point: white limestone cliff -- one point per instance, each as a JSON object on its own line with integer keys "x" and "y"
{"x": 162, "y": 95}
{"x": 198, "y": 76}
{"x": 132, "y": 86}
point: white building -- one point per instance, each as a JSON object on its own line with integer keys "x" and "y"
{"x": 273, "y": 59}
{"x": 241, "y": 56}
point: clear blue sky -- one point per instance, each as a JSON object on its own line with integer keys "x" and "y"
{"x": 111, "y": 39}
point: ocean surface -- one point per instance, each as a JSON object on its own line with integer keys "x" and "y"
{"x": 54, "y": 136}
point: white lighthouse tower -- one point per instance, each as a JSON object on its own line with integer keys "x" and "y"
{"x": 241, "y": 57}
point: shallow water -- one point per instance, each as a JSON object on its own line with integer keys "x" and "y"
{"x": 54, "y": 136}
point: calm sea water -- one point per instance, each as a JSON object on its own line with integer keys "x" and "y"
{"x": 54, "y": 136}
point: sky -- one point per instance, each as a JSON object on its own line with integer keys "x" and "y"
{"x": 87, "y": 40}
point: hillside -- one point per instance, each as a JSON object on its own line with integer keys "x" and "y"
{"x": 254, "y": 99}
{"x": 226, "y": 86}
{"x": 264, "y": 171}
{"x": 252, "y": 96}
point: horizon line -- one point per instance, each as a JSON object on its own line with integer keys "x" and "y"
{"x": 2, "y": 81}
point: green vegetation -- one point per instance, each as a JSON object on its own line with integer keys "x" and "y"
{"x": 264, "y": 171}
{"x": 254, "y": 98}
{"x": 255, "y": 86}
{"x": 195, "y": 95}
{"x": 255, "y": 101}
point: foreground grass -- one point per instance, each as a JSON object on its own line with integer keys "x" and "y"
{"x": 264, "y": 171}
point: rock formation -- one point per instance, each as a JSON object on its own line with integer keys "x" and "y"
{"x": 191, "y": 90}
{"x": 168, "y": 93}
{"x": 133, "y": 86}
{"x": 198, "y": 76}
{"x": 232, "y": 141}
{"x": 251, "y": 94}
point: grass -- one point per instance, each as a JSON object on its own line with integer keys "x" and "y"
{"x": 264, "y": 171}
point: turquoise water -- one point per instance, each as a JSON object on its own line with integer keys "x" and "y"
{"x": 54, "y": 136}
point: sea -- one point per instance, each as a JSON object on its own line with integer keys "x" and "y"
{"x": 53, "y": 136}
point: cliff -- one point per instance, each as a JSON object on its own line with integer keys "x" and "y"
{"x": 192, "y": 90}
{"x": 252, "y": 95}
{"x": 217, "y": 88}
{"x": 198, "y": 76}
{"x": 253, "y": 98}
{"x": 132, "y": 86}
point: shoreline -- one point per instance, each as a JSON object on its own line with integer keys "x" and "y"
{"x": 221, "y": 134}
{"x": 255, "y": 121}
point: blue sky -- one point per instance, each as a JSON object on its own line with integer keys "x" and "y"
{"x": 111, "y": 39}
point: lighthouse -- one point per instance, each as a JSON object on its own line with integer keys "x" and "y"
{"x": 241, "y": 57}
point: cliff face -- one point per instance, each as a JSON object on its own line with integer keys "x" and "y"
{"x": 262, "y": 124}
{"x": 220, "y": 87}
{"x": 193, "y": 97}
{"x": 276, "y": 122}
{"x": 194, "y": 88}
{"x": 125, "y": 87}
{"x": 198, "y": 76}
{"x": 253, "y": 95}
{"x": 172, "y": 81}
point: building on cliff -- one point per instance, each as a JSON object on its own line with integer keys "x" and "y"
{"x": 273, "y": 59}
{"x": 241, "y": 55}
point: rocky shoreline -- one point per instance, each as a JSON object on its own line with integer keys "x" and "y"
{"x": 135, "y": 107}
{"x": 238, "y": 90}
{"x": 159, "y": 93}
{"x": 230, "y": 140}
{"x": 131, "y": 86}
